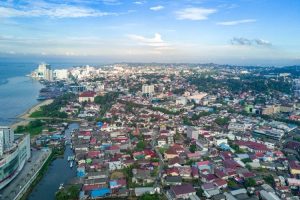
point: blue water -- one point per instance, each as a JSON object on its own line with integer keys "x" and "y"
{"x": 17, "y": 92}
{"x": 57, "y": 173}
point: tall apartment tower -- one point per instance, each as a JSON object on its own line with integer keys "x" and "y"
{"x": 148, "y": 89}
{"x": 6, "y": 138}
{"x": 45, "y": 72}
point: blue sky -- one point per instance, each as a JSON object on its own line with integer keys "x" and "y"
{"x": 256, "y": 32}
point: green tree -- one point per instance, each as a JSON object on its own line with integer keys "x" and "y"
{"x": 250, "y": 182}
{"x": 269, "y": 180}
{"x": 148, "y": 196}
{"x": 70, "y": 193}
{"x": 140, "y": 145}
{"x": 222, "y": 121}
{"x": 193, "y": 148}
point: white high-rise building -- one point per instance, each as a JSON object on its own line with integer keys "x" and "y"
{"x": 45, "y": 72}
{"x": 148, "y": 89}
{"x": 61, "y": 74}
{"x": 6, "y": 138}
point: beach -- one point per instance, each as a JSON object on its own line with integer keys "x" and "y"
{"x": 24, "y": 118}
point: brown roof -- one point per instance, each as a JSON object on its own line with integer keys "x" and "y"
{"x": 183, "y": 189}
{"x": 88, "y": 94}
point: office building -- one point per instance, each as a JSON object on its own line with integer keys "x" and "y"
{"x": 148, "y": 89}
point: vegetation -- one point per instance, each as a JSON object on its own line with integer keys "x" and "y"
{"x": 165, "y": 111}
{"x": 33, "y": 128}
{"x": 186, "y": 121}
{"x": 269, "y": 180}
{"x": 232, "y": 184}
{"x": 106, "y": 101}
{"x": 140, "y": 145}
{"x": 236, "y": 148}
{"x": 250, "y": 182}
{"x": 222, "y": 121}
{"x": 53, "y": 110}
{"x": 71, "y": 193}
{"x": 193, "y": 148}
{"x": 257, "y": 84}
{"x": 198, "y": 116}
{"x": 148, "y": 196}
{"x": 246, "y": 160}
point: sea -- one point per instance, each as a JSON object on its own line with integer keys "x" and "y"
{"x": 18, "y": 92}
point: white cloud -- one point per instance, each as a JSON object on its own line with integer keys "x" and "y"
{"x": 157, "y": 43}
{"x": 236, "y": 22}
{"x": 111, "y": 2}
{"x": 195, "y": 13}
{"x": 139, "y": 2}
{"x": 52, "y": 10}
{"x": 157, "y": 8}
{"x": 249, "y": 42}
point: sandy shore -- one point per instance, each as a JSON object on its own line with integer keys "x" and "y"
{"x": 25, "y": 117}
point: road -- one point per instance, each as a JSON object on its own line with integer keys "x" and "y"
{"x": 30, "y": 168}
{"x": 161, "y": 160}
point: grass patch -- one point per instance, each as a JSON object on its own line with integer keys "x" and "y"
{"x": 33, "y": 128}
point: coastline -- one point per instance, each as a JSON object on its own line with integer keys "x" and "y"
{"x": 25, "y": 117}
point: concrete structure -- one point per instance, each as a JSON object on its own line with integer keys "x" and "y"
{"x": 88, "y": 96}
{"x": 197, "y": 97}
{"x": 192, "y": 132}
{"x": 181, "y": 101}
{"x": 6, "y": 138}
{"x": 61, "y": 74}
{"x": 13, "y": 161}
{"x": 43, "y": 72}
{"x": 148, "y": 89}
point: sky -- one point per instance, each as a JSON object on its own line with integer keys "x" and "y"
{"x": 242, "y": 32}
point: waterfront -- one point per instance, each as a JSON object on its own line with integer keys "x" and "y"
{"x": 57, "y": 173}
{"x": 16, "y": 96}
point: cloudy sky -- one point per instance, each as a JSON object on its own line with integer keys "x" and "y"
{"x": 257, "y": 32}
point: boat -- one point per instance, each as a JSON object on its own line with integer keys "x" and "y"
{"x": 71, "y": 164}
{"x": 42, "y": 98}
{"x": 61, "y": 186}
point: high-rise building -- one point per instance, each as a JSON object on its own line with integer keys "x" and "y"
{"x": 6, "y": 138}
{"x": 61, "y": 74}
{"x": 148, "y": 89}
{"x": 44, "y": 72}
{"x": 14, "y": 159}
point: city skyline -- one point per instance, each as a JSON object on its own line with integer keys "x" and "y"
{"x": 234, "y": 32}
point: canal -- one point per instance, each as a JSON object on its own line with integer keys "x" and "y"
{"x": 59, "y": 171}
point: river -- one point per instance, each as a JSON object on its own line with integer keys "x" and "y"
{"x": 58, "y": 172}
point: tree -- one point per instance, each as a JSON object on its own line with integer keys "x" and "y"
{"x": 250, "y": 182}
{"x": 232, "y": 184}
{"x": 246, "y": 160}
{"x": 70, "y": 193}
{"x": 148, "y": 196}
{"x": 269, "y": 180}
{"x": 222, "y": 121}
{"x": 140, "y": 145}
{"x": 193, "y": 148}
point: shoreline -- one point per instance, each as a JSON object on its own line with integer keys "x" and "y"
{"x": 25, "y": 117}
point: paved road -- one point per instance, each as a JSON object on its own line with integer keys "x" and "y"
{"x": 30, "y": 168}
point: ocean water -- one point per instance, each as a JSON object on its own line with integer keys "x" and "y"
{"x": 18, "y": 93}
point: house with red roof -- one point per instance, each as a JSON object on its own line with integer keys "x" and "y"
{"x": 252, "y": 146}
{"x": 183, "y": 191}
{"x": 220, "y": 183}
{"x": 87, "y": 96}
